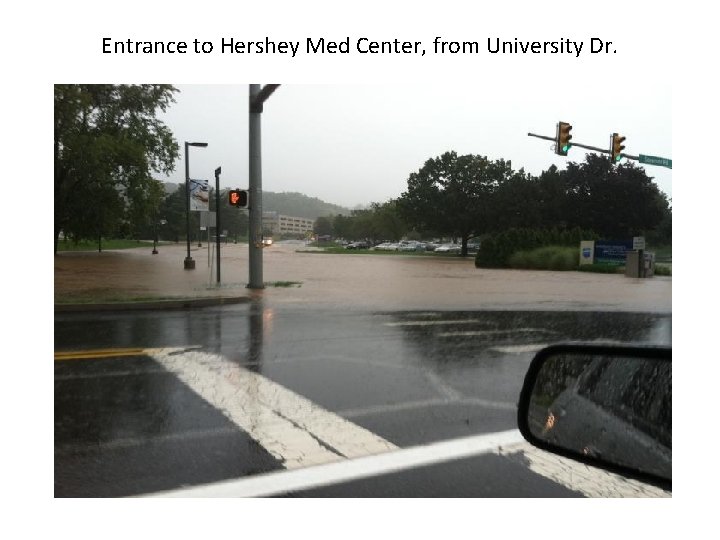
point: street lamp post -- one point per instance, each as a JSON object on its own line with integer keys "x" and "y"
{"x": 217, "y": 219}
{"x": 189, "y": 262}
{"x": 155, "y": 242}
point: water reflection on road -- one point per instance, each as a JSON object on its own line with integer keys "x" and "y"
{"x": 410, "y": 377}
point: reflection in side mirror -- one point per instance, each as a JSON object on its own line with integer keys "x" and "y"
{"x": 609, "y": 406}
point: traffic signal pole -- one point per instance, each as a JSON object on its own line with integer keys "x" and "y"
{"x": 258, "y": 96}
{"x": 255, "y": 188}
{"x": 587, "y": 147}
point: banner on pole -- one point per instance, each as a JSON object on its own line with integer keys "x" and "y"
{"x": 199, "y": 195}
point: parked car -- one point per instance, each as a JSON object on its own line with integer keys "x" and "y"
{"x": 387, "y": 246}
{"x": 411, "y": 245}
{"x": 448, "y": 248}
{"x": 358, "y": 245}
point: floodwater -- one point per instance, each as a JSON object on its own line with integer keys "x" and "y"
{"x": 296, "y": 274}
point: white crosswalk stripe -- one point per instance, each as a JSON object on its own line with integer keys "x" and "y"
{"x": 325, "y": 448}
{"x": 590, "y": 481}
{"x": 293, "y": 429}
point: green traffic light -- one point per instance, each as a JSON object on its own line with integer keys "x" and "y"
{"x": 566, "y": 148}
{"x": 618, "y": 158}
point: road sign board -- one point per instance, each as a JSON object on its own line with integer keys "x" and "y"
{"x": 612, "y": 251}
{"x": 653, "y": 160}
{"x": 207, "y": 219}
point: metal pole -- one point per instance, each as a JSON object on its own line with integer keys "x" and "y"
{"x": 189, "y": 263}
{"x": 255, "y": 181}
{"x": 155, "y": 242}
{"x": 587, "y": 147}
{"x": 217, "y": 220}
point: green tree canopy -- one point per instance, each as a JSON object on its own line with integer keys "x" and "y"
{"x": 616, "y": 201}
{"x": 108, "y": 141}
{"x": 453, "y": 195}
{"x": 323, "y": 226}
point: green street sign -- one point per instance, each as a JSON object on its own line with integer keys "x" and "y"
{"x": 653, "y": 160}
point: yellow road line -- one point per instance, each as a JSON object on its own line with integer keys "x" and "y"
{"x": 108, "y": 353}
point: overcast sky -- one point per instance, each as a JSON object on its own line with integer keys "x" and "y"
{"x": 356, "y": 144}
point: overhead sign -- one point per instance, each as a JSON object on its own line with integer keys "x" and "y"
{"x": 654, "y": 160}
{"x": 199, "y": 195}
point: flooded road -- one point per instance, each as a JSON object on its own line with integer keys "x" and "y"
{"x": 340, "y": 358}
{"x": 296, "y": 274}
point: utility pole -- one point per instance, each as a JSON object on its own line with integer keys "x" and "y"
{"x": 258, "y": 96}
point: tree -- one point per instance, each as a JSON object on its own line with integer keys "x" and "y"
{"x": 323, "y": 226}
{"x": 616, "y": 201}
{"x": 454, "y": 194}
{"x": 108, "y": 140}
{"x": 143, "y": 214}
{"x": 518, "y": 201}
{"x": 662, "y": 234}
{"x": 342, "y": 226}
{"x": 364, "y": 226}
{"x": 172, "y": 210}
{"x": 388, "y": 223}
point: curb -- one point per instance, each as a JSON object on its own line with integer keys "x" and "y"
{"x": 187, "y": 303}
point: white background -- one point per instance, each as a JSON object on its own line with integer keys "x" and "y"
{"x": 661, "y": 46}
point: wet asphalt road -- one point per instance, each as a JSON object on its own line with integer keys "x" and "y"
{"x": 129, "y": 422}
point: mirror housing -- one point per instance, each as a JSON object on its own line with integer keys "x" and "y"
{"x": 608, "y": 406}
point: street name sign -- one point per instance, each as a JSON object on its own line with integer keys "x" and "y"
{"x": 653, "y": 160}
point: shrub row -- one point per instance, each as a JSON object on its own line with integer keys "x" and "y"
{"x": 546, "y": 258}
{"x": 496, "y": 250}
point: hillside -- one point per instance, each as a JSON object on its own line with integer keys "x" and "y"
{"x": 299, "y": 205}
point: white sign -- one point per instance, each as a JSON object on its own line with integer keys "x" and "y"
{"x": 207, "y": 219}
{"x": 587, "y": 251}
{"x": 638, "y": 242}
{"x": 199, "y": 195}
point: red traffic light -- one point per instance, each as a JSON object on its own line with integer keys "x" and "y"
{"x": 238, "y": 197}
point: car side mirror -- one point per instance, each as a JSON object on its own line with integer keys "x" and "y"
{"x": 604, "y": 405}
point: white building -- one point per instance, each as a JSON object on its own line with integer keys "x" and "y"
{"x": 279, "y": 224}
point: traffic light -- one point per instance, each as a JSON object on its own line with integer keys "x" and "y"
{"x": 562, "y": 138}
{"x": 238, "y": 197}
{"x": 616, "y": 147}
